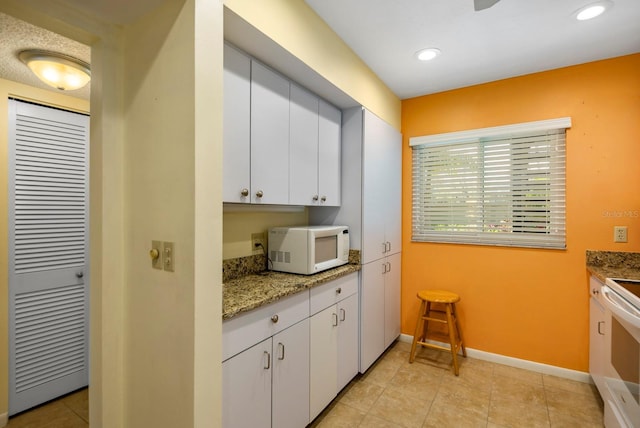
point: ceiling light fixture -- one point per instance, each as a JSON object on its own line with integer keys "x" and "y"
{"x": 427, "y": 54}
{"x": 57, "y": 70}
{"x": 593, "y": 10}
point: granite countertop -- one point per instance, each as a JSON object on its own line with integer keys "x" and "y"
{"x": 613, "y": 264}
{"x": 252, "y": 291}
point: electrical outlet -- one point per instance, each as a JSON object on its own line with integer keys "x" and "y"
{"x": 258, "y": 243}
{"x": 619, "y": 233}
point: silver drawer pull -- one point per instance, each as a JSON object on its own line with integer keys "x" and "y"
{"x": 244, "y": 192}
{"x": 344, "y": 314}
{"x": 335, "y": 320}
{"x": 268, "y": 366}
{"x": 339, "y": 290}
{"x": 281, "y": 346}
{"x": 274, "y": 319}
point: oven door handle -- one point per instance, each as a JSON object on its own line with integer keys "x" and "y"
{"x": 616, "y": 305}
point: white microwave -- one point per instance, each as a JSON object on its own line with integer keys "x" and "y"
{"x": 308, "y": 249}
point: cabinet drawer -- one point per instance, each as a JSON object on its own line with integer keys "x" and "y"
{"x": 244, "y": 331}
{"x": 327, "y": 294}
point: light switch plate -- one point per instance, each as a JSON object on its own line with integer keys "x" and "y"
{"x": 168, "y": 256}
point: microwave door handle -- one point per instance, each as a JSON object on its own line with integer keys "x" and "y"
{"x": 610, "y": 300}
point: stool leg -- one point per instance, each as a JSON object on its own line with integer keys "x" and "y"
{"x": 425, "y": 326}
{"x": 412, "y": 355}
{"x": 452, "y": 338}
{"x": 459, "y": 330}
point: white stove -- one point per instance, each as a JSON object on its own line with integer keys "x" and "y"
{"x": 621, "y": 299}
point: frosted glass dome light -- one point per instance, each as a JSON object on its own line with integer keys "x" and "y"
{"x": 57, "y": 70}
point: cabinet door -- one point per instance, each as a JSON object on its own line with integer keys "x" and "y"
{"x": 597, "y": 343}
{"x": 329, "y": 154}
{"x": 246, "y": 388}
{"x": 393, "y": 190}
{"x": 324, "y": 359}
{"x": 236, "y": 137}
{"x": 392, "y": 299}
{"x": 374, "y": 186}
{"x": 347, "y": 340}
{"x": 303, "y": 162}
{"x": 269, "y": 136}
{"x": 371, "y": 313}
{"x": 290, "y": 390}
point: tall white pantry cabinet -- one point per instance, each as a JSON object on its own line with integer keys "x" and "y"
{"x": 371, "y": 207}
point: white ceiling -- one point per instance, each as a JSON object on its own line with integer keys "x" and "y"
{"x": 512, "y": 38}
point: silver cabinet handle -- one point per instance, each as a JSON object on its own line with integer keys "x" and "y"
{"x": 344, "y": 314}
{"x": 244, "y": 192}
{"x": 79, "y": 274}
{"x": 281, "y": 347}
{"x": 384, "y": 268}
{"x": 335, "y": 320}
{"x": 259, "y": 193}
{"x": 315, "y": 198}
{"x": 384, "y": 247}
{"x": 599, "y": 323}
{"x": 268, "y": 366}
{"x": 388, "y": 246}
{"x": 338, "y": 290}
{"x": 275, "y": 318}
{"x": 323, "y": 199}
{"x": 388, "y": 267}
{"x": 595, "y": 291}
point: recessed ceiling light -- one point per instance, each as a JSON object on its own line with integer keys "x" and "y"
{"x": 427, "y": 54}
{"x": 592, "y": 10}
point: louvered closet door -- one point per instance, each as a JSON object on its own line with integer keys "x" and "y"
{"x": 48, "y": 253}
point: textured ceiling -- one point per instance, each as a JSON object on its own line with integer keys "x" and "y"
{"x": 17, "y": 35}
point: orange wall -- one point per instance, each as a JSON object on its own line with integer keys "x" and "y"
{"x": 528, "y": 303}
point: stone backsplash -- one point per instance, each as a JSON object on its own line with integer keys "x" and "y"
{"x": 249, "y": 265}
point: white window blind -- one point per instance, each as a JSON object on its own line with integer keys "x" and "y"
{"x": 492, "y": 186}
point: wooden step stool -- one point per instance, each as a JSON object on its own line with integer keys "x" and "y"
{"x": 447, "y": 316}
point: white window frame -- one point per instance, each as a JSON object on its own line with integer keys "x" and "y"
{"x": 511, "y": 191}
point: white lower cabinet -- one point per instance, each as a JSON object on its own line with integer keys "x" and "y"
{"x": 246, "y": 384}
{"x": 268, "y": 384}
{"x": 333, "y": 340}
{"x": 290, "y": 377}
{"x": 379, "y": 308}
{"x": 281, "y": 366}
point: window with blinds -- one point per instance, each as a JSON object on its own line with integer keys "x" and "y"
{"x": 493, "y": 186}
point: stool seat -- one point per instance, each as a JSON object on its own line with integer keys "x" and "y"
{"x": 448, "y": 317}
{"x": 438, "y": 296}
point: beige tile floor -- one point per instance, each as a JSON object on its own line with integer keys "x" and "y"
{"x": 394, "y": 393}
{"x": 70, "y": 411}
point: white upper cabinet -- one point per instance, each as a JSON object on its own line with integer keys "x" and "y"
{"x": 381, "y": 189}
{"x": 281, "y": 142}
{"x": 329, "y": 154}
{"x": 314, "y": 163}
{"x": 269, "y": 136}
{"x": 303, "y": 162}
{"x": 236, "y": 136}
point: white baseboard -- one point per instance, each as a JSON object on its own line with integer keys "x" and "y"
{"x": 4, "y": 419}
{"x": 521, "y": 364}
